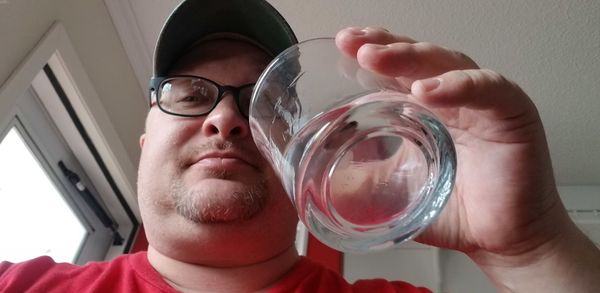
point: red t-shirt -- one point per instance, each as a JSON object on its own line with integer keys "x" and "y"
{"x": 133, "y": 273}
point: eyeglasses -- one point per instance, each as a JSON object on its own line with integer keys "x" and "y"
{"x": 193, "y": 96}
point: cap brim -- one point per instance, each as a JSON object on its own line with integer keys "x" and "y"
{"x": 193, "y": 20}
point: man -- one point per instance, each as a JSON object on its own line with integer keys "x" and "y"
{"x": 217, "y": 219}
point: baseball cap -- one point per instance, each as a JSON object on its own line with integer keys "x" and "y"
{"x": 194, "y": 20}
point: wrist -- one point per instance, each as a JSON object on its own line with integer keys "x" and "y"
{"x": 542, "y": 235}
{"x": 568, "y": 262}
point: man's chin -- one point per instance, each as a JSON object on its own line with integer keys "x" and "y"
{"x": 219, "y": 201}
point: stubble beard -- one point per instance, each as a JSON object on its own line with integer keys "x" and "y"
{"x": 198, "y": 206}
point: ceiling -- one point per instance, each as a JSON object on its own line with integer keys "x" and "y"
{"x": 551, "y": 48}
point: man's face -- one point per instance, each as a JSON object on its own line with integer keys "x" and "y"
{"x": 202, "y": 179}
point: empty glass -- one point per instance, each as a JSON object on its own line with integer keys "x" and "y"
{"x": 365, "y": 165}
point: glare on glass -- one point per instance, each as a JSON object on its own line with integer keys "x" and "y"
{"x": 35, "y": 220}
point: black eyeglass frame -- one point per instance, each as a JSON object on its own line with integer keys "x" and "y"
{"x": 157, "y": 82}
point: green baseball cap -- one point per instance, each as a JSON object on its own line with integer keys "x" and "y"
{"x": 194, "y": 20}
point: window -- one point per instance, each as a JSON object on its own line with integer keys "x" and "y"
{"x": 67, "y": 184}
{"x": 43, "y": 213}
{"x": 34, "y": 217}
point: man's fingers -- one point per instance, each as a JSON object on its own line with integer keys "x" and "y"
{"x": 382, "y": 52}
{"x": 444, "y": 77}
{"x": 416, "y": 60}
{"x": 349, "y": 40}
{"x": 484, "y": 90}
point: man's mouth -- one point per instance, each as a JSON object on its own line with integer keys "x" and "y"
{"x": 222, "y": 161}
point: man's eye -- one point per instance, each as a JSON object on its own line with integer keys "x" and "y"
{"x": 196, "y": 100}
{"x": 189, "y": 99}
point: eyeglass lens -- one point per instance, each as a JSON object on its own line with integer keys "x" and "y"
{"x": 196, "y": 96}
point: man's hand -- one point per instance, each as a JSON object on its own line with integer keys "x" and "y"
{"x": 505, "y": 212}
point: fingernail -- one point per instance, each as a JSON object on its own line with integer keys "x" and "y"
{"x": 427, "y": 85}
{"x": 357, "y": 31}
{"x": 379, "y": 47}
{"x": 375, "y": 28}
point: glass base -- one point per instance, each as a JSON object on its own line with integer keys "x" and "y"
{"x": 373, "y": 172}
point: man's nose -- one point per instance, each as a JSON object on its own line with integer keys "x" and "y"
{"x": 226, "y": 120}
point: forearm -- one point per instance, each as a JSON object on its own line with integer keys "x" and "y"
{"x": 568, "y": 264}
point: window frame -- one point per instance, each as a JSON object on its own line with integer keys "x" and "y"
{"x": 56, "y": 51}
{"x": 47, "y": 146}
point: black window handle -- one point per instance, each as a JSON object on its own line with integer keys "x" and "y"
{"x": 91, "y": 201}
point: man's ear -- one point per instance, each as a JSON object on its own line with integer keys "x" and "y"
{"x": 142, "y": 140}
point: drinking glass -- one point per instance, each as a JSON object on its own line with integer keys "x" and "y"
{"x": 365, "y": 165}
